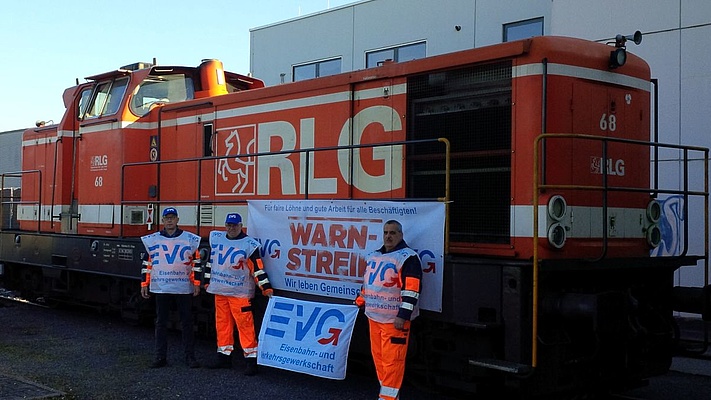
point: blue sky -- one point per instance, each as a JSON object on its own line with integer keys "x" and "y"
{"x": 47, "y": 44}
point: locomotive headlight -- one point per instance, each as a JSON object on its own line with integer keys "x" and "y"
{"x": 654, "y": 236}
{"x": 618, "y": 57}
{"x": 556, "y": 236}
{"x": 654, "y": 211}
{"x": 557, "y": 207}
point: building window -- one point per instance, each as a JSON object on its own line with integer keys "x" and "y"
{"x": 317, "y": 69}
{"x": 523, "y": 29}
{"x": 398, "y": 54}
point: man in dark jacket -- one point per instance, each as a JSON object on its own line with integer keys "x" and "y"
{"x": 391, "y": 290}
{"x": 169, "y": 273}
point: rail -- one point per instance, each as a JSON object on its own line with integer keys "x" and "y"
{"x": 539, "y": 185}
{"x": 11, "y": 201}
{"x": 304, "y": 176}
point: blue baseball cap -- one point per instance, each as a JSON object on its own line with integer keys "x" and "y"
{"x": 233, "y": 218}
{"x": 170, "y": 210}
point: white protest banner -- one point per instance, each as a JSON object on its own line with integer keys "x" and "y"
{"x": 308, "y": 337}
{"x": 319, "y": 246}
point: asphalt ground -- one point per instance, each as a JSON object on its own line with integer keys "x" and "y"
{"x": 78, "y": 354}
{"x": 82, "y": 355}
{"x": 697, "y": 361}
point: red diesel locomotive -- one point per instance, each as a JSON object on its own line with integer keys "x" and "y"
{"x": 540, "y": 148}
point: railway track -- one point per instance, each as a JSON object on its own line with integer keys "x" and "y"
{"x": 9, "y": 295}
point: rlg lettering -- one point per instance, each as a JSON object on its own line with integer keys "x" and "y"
{"x": 288, "y": 166}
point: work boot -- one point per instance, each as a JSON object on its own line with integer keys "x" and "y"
{"x": 221, "y": 361}
{"x": 191, "y": 362}
{"x": 251, "y": 369}
{"x": 159, "y": 362}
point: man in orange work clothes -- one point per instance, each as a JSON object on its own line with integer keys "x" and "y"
{"x": 230, "y": 275}
{"x": 391, "y": 289}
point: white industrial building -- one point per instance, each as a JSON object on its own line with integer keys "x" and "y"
{"x": 359, "y": 35}
{"x": 10, "y": 157}
{"x": 10, "y": 161}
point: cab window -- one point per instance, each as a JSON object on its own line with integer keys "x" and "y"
{"x": 107, "y": 98}
{"x": 161, "y": 89}
{"x": 83, "y": 102}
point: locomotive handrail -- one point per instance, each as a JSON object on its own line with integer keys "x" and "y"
{"x": 98, "y": 122}
{"x": 621, "y": 189}
{"x": 200, "y": 160}
{"x": 605, "y": 188}
{"x": 45, "y": 128}
{"x": 18, "y": 174}
{"x": 186, "y": 107}
{"x": 537, "y": 188}
{"x": 447, "y": 166}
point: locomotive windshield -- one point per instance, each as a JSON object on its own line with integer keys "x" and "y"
{"x": 161, "y": 89}
{"x": 107, "y": 98}
{"x": 84, "y": 101}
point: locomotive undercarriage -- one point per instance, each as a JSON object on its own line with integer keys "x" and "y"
{"x": 100, "y": 273}
{"x": 606, "y": 330}
{"x": 601, "y": 328}
{"x": 53, "y": 287}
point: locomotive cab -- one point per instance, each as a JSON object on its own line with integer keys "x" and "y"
{"x": 77, "y": 164}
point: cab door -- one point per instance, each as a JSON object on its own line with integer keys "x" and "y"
{"x": 182, "y": 181}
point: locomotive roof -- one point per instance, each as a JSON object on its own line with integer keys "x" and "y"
{"x": 123, "y": 71}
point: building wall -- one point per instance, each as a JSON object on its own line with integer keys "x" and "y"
{"x": 381, "y": 24}
{"x": 352, "y": 30}
{"x": 10, "y": 156}
{"x": 493, "y": 14}
{"x": 275, "y": 48}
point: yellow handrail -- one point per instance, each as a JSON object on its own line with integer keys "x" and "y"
{"x": 538, "y": 187}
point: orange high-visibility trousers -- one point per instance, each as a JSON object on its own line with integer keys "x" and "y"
{"x": 389, "y": 348}
{"x": 228, "y": 311}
